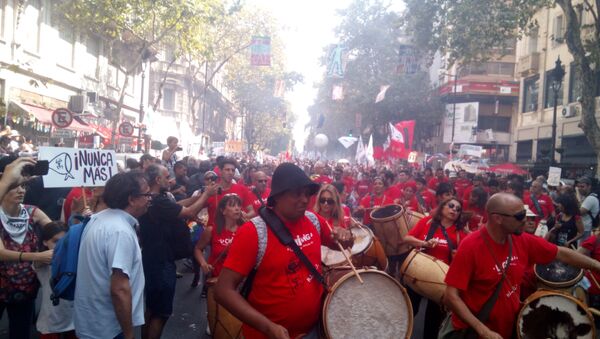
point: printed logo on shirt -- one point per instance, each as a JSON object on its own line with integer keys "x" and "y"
{"x": 513, "y": 262}
{"x": 225, "y": 241}
{"x": 304, "y": 240}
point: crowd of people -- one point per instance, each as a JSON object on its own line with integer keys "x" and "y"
{"x": 261, "y": 226}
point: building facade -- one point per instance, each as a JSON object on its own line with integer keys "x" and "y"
{"x": 45, "y": 64}
{"x": 536, "y": 55}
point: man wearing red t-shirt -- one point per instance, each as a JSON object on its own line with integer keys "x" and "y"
{"x": 285, "y": 298}
{"x": 539, "y": 202}
{"x": 591, "y": 248}
{"x": 439, "y": 177}
{"x": 475, "y": 271}
{"x": 424, "y": 195}
{"x": 227, "y": 169}
{"x": 260, "y": 192}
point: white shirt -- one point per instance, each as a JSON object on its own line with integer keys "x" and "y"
{"x": 590, "y": 203}
{"x": 52, "y": 319}
{"x": 109, "y": 241}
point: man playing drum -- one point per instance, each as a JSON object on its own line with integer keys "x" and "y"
{"x": 496, "y": 256}
{"x": 285, "y": 299}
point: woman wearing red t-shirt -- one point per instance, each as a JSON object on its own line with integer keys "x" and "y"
{"x": 329, "y": 206}
{"x": 409, "y": 200}
{"x": 376, "y": 198}
{"x": 438, "y": 236}
{"x": 474, "y": 208}
{"x": 227, "y": 219}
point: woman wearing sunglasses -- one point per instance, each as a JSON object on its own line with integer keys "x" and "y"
{"x": 439, "y": 235}
{"x": 376, "y": 198}
{"x": 329, "y": 206}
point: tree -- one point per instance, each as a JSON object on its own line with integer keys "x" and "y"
{"x": 133, "y": 28}
{"x": 473, "y": 30}
{"x": 370, "y": 32}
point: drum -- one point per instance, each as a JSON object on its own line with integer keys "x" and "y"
{"x": 390, "y": 227}
{"x": 367, "y": 251}
{"x": 550, "y": 314}
{"x": 379, "y": 308}
{"x": 425, "y": 275}
{"x": 412, "y": 218}
{"x": 557, "y": 275}
{"x": 222, "y": 324}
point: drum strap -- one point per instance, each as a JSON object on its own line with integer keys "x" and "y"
{"x": 262, "y": 204}
{"x": 432, "y": 228}
{"x": 537, "y": 206}
{"x": 421, "y": 202}
{"x": 486, "y": 310}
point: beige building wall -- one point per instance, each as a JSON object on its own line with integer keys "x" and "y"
{"x": 536, "y": 55}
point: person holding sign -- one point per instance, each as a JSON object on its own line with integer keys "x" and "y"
{"x": 18, "y": 248}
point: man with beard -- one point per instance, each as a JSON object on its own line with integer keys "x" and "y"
{"x": 476, "y": 272}
{"x": 285, "y": 298}
{"x": 158, "y": 243}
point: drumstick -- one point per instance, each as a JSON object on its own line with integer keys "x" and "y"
{"x": 593, "y": 279}
{"x": 84, "y": 196}
{"x": 346, "y": 256}
{"x": 594, "y": 311}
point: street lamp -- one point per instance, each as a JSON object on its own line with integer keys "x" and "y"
{"x": 556, "y": 76}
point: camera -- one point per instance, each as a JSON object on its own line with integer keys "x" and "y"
{"x": 41, "y": 167}
{"x": 179, "y": 149}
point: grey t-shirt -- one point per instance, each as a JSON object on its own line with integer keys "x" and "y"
{"x": 109, "y": 241}
{"x": 591, "y": 204}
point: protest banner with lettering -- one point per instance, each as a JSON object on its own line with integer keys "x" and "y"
{"x": 76, "y": 167}
{"x": 554, "y": 174}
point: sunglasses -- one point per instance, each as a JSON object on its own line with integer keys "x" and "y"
{"x": 454, "y": 206}
{"x": 518, "y": 216}
{"x": 211, "y": 178}
{"x": 327, "y": 201}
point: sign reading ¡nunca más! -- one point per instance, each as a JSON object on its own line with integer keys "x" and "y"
{"x": 76, "y": 167}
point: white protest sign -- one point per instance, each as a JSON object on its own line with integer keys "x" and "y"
{"x": 77, "y": 167}
{"x": 554, "y": 176}
{"x": 472, "y": 150}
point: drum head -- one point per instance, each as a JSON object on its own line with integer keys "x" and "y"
{"x": 362, "y": 240}
{"x": 558, "y": 274}
{"x": 386, "y": 211}
{"x": 331, "y": 257}
{"x": 548, "y": 314}
{"x": 379, "y": 308}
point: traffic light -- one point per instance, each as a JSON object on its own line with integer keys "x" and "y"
{"x": 349, "y": 132}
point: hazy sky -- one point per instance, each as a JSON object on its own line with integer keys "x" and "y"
{"x": 306, "y": 27}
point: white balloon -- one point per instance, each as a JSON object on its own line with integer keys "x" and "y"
{"x": 321, "y": 140}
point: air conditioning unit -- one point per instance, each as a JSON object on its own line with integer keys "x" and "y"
{"x": 92, "y": 97}
{"x": 78, "y": 103}
{"x": 571, "y": 111}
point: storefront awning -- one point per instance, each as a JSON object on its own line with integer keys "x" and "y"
{"x": 44, "y": 116}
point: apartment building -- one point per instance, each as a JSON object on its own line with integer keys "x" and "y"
{"x": 480, "y": 100}
{"x": 536, "y": 55}
{"x": 45, "y": 65}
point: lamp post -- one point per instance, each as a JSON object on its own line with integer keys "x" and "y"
{"x": 454, "y": 92}
{"x": 142, "y": 131}
{"x": 556, "y": 76}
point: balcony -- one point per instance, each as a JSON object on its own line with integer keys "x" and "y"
{"x": 500, "y": 138}
{"x": 529, "y": 64}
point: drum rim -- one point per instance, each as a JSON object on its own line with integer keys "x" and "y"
{"x": 351, "y": 274}
{"x": 388, "y": 218}
{"x": 554, "y": 284}
{"x": 544, "y": 292}
{"x": 369, "y": 232}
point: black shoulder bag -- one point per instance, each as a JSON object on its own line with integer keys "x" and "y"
{"x": 432, "y": 228}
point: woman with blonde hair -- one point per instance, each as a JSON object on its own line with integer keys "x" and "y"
{"x": 329, "y": 206}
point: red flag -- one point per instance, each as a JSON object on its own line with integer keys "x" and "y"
{"x": 399, "y": 149}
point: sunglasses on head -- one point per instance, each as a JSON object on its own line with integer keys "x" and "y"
{"x": 518, "y": 216}
{"x": 211, "y": 178}
{"x": 454, "y": 206}
{"x": 327, "y": 201}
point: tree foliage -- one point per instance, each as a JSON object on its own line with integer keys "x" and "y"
{"x": 473, "y": 30}
{"x": 370, "y": 32}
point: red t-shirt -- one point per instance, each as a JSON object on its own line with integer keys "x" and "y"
{"x": 363, "y": 187}
{"x": 377, "y": 202}
{"x": 434, "y": 182}
{"x": 76, "y": 192}
{"x": 322, "y": 179}
{"x": 393, "y": 192}
{"x": 479, "y": 216}
{"x": 591, "y": 244}
{"x": 475, "y": 274}
{"x": 545, "y": 203}
{"x": 256, "y": 202}
{"x": 348, "y": 184}
{"x": 442, "y": 250}
{"x": 213, "y": 202}
{"x": 428, "y": 199}
{"x": 460, "y": 185}
{"x": 412, "y": 204}
{"x": 283, "y": 290}
{"x": 219, "y": 243}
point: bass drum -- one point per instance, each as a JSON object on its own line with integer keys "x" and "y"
{"x": 379, "y": 308}
{"x": 549, "y": 314}
{"x": 367, "y": 251}
{"x": 425, "y": 275}
{"x": 389, "y": 225}
{"x": 222, "y": 324}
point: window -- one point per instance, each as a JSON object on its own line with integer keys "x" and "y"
{"x": 2, "y": 13}
{"x": 533, "y": 40}
{"x": 112, "y": 79}
{"x": 498, "y": 124}
{"x": 549, "y": 92}
{"x": 524, "y": 150}
{"x": 531, "y": 87}
{"x": 30, "y": 26}
{"x": 574, "y": 84}
{"x": 543, "y": 149}
{"x": 558, "y": 31}
{"x": 168, "y": 99}
{"x": 65, "y": 46}
{"x": 91, "y": 55}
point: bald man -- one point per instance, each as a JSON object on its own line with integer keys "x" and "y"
{"x": 475, "y": 271}
{"x": 260, "y": 191}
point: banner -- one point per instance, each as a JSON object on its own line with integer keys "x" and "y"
{"x": 408, "y": 62}
{"x": 337, "y": 93}
{"x": 554, "y": 174}
{"x": 336, "y": 61}
{"x": 360, "y": 151}
{"x": 465, "y": 120}
{"x": 347, "y": 141}
{"x": 381, "y": 95}
{"x": 234, "y": 146}
{"x": 470, "y": 150}
{"x": 73, "y": 167}
{"x": 369, "y": 152}
{"x": 260, "y": 51}
{"x": 401, "y": 146}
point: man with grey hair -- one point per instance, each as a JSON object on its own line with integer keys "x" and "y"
{"x": 590, "y": 206}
